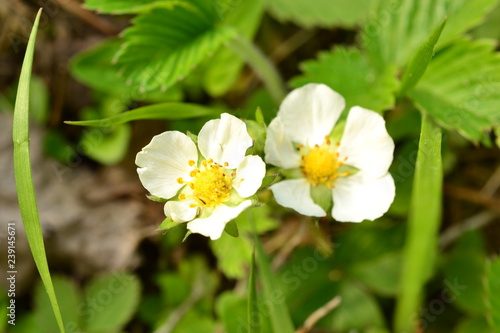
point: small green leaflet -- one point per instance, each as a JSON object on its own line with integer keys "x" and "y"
{"x": 232, "y": 229}
{"x": 461, "y": 89}
{"x": 397, "y": 28}
{"x": 164, "y": 45}
{"x": 353, "y": 75}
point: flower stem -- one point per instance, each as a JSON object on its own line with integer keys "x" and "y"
{"x": 261, "y": 65}
{"x": 421, "y": 245}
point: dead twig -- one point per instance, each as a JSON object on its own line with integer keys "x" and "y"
{"x": 318, "y": 314}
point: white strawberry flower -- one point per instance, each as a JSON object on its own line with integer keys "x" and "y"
{"x": 208, "y": 185}
{"x": 299, "y": 138}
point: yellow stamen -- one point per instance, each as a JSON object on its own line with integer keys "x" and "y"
{"x": 320, "y": 164}
{"x": 211, "y": 184}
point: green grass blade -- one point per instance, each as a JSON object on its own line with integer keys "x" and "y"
{"x": 418, "y": 64}
{"x": 24, "y": 180}
{"x": 423, "y": 225}
{"x": 272, "y": 293}
{"x": 253, "y": 306}
{"x": 170, "y": 110}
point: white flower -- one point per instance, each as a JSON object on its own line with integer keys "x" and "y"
{"x": 299, "y": 138}
{"x": 208, "y": 185}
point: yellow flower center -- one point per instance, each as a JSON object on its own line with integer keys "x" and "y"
{"x": 211, "y": 186}
{"x": 320, "y": 164}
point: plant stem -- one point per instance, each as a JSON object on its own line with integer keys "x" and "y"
{"x": 261, "y": 65}
{"x": 422, "y": 236}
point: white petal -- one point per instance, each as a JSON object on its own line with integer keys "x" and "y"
{"x": 360, "y": 197}
{"x": 179, "y": 211}
{"x": 214, "y": 225}
{"x": 310, "y": 112}
{"x": 224, "y": 140}
{"x": 249, "y": 176}
{"x": 164, "y": 160}
{"x": 366, "y": 142}
{"x": 296, "y": 194}
{"x": 279, "y": 148}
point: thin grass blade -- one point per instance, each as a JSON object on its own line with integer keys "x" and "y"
{"x": 24, "y": 180}
{"x": 170, "y": 111}
{"x": 420, "y": 60}
{"x": 253, "y": 307}
{"x": 272, "y": 293}
{"x": 423, "y": 226}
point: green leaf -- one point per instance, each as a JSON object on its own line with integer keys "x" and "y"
{"x": 223, "y": 69}
{"x": 153, "y": 58}
{"x": 232, "y": 229}
{"x": 473, "y": 325}
{"x": 279, "y": 315}
{"x": 24, "y": 179}
{"x": 232, "y": 309}
{"x": 490, "y": 27}
{"x": 125, "y": 6}
{"x": 170, "y": 111}
{"x": 369, "y": 273}
{"x": 168, "y": 224}
{"x": 493, "y": 294}
{"x": 394, "y": 34}
{"x": 420, "y": 248}
{"x": 109, "y": 147}
{"x": 420, "y": 61}
{"x": 110, "y": 302}
{"x": 195, "y": 322}
{"x": 233, "y": 254}
{"x": 353, "y": 75}
{"x": 95, "y": 68}
{"x": 464, "y": 15}
{"x": 357, "y": 311}
{"x": 69, "y": 299}
{"x": 321, "y": 13}
{"x": 461, "y": 89}
{"x": 467, "y": 266}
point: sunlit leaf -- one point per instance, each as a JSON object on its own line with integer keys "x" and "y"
{"x": 353, "y": 75}
{"x": 153, "y": 58}
{"x": 461, "y": 89}
{"x": 397, "y": 28}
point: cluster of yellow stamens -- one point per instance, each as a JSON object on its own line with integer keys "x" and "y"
{"x": 320, "y": 163}
{"x": 211, "y": 184}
